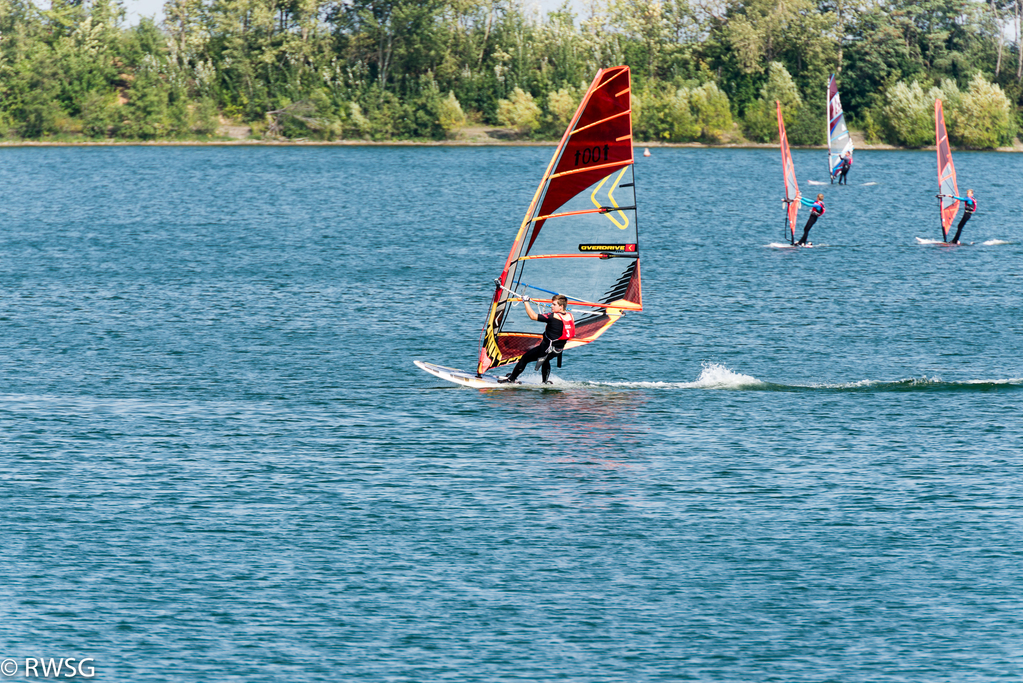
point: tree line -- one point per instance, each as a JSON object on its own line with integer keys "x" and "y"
{"x": 703, "y": 70}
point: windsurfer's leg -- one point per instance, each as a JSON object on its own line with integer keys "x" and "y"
{"x": 545, "y": 371}
{"x": 527, "y": 358}
{"x": 959, "y": 230}
{"x": 806, "y": 229}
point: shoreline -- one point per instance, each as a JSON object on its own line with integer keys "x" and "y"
{"x": 1016, "y": 147}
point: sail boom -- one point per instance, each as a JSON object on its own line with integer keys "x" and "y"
{"x": 583, "y": 212}
{"x": 621, "y": 306}
{"x": 600, "y": 255}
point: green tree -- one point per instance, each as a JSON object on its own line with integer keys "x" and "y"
{"x": 146, "y": 110}
{"x": 711, "y": 109}
{"x": 761, "y": 120}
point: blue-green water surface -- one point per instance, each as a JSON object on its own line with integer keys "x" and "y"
{"x": 219, "y": 463}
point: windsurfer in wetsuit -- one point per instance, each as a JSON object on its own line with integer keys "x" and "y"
{"x": 969, "y": 206}
{"x": 560, "y": 328}
{"x": 816, "y": 211}
{"x": 843, "y": 168}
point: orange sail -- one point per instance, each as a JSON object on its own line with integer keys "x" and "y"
{"x": 948, "y": 189}
{"x": 791, "y": 186}
{"x": 579, "y": 237}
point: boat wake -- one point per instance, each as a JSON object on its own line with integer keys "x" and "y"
{"x": 717, "y": 376}
{"x": 912, "y": 384}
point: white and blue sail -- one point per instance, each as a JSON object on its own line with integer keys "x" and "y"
{"x": 839, "y": 140}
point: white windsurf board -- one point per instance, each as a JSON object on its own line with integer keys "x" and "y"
{"x": 462, "y": 377}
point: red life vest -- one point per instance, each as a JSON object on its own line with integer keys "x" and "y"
{"x": 966, "y": 205}
{"x": 818, "y": 208}
{"x": 567, "y": 326}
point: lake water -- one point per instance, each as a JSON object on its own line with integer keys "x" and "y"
{"x": 220, "y": 464}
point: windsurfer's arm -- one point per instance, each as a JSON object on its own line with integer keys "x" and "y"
{"x": 529, "y": 311}
{"x": 805, "y": 202}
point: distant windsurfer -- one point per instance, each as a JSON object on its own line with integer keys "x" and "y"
{"x": 843, "y": 168}
{"x": 969, "y": 206}
{"x": 560, "y": 328}
{"x": 816, "y": 211}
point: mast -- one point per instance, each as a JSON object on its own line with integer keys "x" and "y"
{"x": 827, "y": 127}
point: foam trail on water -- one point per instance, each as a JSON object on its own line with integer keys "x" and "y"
{"x": 920, "y": 240}
{"x": 815, "y": 182}
{"x": 995, "y": 243}
{"x": 779, "y": 245}
{"x": 717, "y": 376}
{"x": 865, "y": 184}
{"x": 713, "y": 376}
{"x": 924, "y": 383}
{"x": 880, "y": 383}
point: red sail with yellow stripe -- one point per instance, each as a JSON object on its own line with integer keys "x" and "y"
{"x": 579, "y": 236}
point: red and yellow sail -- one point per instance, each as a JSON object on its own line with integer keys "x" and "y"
{"x": 579, "y": 237}
{"x": 791, "y": 186}
{"x": 947, "y": 186}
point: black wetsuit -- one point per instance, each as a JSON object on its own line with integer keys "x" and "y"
{"x": 969, "y": 206}
{"x": 843, "y": 171}
{"x": 550, "y": 345}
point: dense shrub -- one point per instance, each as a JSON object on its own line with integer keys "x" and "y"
{"x": 519, "y": 112}
{"x": 664, "y": 114}
{"x": 984, "y": 117}
{"x": 682, "y": 114}
{"x": 909, "y": 113}
{"x": 450, "y": 115}
{"x": 980, "y": 117}
{"x": 808, "y": 126}
{"x": 710, "y": 106}
{"x": 561, "y": 107}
